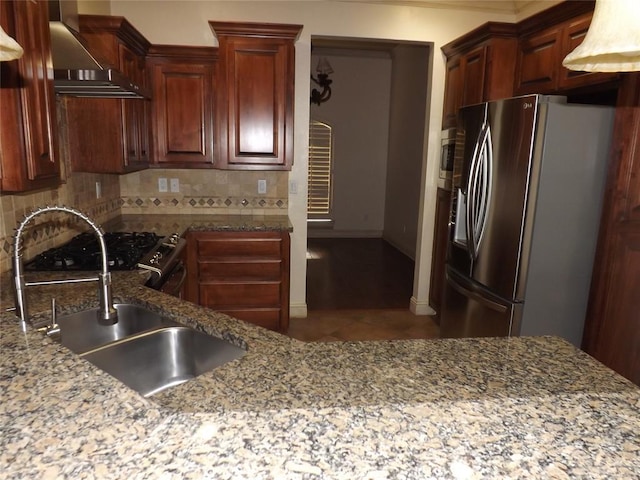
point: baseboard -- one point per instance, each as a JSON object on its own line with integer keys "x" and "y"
{"x": 320, "y": 233}
{"x": 298, "y": 310}
{"x": 401, "y": 249}
{"x": 420, "y": 308}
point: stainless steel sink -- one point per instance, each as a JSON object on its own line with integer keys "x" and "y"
{"x": 81, "y": 332}
{"x": 156, "y": 360}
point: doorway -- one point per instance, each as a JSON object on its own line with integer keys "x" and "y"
{"x": 377, "y": 112}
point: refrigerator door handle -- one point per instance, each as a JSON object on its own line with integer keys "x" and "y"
{"x": 485, "y": 173}
{"x": 479, "y": 190}
{"x": 471, "y": 196}
{"x": 498, "y": 307}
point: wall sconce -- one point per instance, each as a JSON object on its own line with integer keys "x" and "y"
{"x": 324, "y": 70}
{"x": 612, "y": 43}
{"x": 9, "y": 48}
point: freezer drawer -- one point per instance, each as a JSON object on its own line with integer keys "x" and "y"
{"x": 470, "y": 311}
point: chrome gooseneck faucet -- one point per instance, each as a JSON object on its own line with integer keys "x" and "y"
{"x": 107, "y": 314}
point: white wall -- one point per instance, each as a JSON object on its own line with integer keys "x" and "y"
{"x": 94, "y": 7}
{"x": 185, "y": 23}
{"x": 358, "y": 111}
{"x": 410, "y": 82}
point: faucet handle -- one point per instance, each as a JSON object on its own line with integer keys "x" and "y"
{"x": 53, "y": 328}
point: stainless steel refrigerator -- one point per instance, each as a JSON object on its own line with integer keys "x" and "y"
{"x": 528, "y": 182}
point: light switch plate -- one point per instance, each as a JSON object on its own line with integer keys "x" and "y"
{"x": 175, "y": 185}
{"x": 262, "y": 186}
{"x": 163, "y": 185}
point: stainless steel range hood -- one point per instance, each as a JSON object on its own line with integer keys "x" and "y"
{"x": 76, "y": 72}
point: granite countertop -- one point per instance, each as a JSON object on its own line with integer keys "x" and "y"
{"x": 167, "y": 224}
{"x": 454, "y": 409}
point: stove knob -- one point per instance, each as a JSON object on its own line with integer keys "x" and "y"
{"x": 174, "y": 238}
{"x": 156, "y": 258}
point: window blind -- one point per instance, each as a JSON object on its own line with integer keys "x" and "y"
{"x": 320, "y": 171}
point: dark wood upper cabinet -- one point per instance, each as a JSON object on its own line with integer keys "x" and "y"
{"x": 255, "y": 95}
{"x": 536, "y": 69}
{"x": 183, "y": 108}
{"x": 574, "y": 32}
{"x": 544, "y": 40}
{"x": 499, "y": 60}
{"x": 28, "y": 134}
{"x": 111, "y": 135}
{"x": 453, "y": 91}
{"x": 480, "y": 67}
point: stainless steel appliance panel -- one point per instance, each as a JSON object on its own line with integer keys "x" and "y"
{"x": 473, "y": 311}
{"x": 528, "y": 188}
{"x": 492, "y": 191}
{"x": 447, "y": 142}
{"x": 561, "y": 237}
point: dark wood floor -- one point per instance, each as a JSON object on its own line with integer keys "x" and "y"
{"x": 357, "y": 273}
{"x": 359, "y": 289}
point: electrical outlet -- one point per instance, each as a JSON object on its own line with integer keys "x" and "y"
{"x": 175, "y": 185}
{"x": 98, "y": 190}
{"x": 162, "y": 185}
{"x": 262, "y": 186}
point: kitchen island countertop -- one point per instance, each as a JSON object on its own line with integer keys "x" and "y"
{"x": 458, "y": 408}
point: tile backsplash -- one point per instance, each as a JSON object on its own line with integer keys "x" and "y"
{"x": 204, "y": 191}
{"x": 51, "y": 229}
{"x": 200, "y": 192}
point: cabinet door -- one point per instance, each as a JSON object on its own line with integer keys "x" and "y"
{"x": 454, "y": 82}
{"x": 111, "y": 135}
{"x": 537, "y": 64}
{"x": 259, "y": 104}
{"x": 95, "y": 146}
{"x": 28, "y": 131}
{"x": 573, "y": 35}
{"x": 135, "y": 122}
{"x": 474, "y": 76}
{"x": 440, "y": 241}
{"x": 464, "y": 83}
{"x": 254, "y": 95}
{"x": 183, "y": 114}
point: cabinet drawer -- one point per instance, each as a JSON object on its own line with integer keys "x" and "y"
{"x": 264, "y": 317}
{"x": 230, "y": 269}
{"x": 239, "y": 247}
{"x": 246, "y": 294}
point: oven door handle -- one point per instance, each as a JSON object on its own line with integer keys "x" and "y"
{"x": 183, "y": 278}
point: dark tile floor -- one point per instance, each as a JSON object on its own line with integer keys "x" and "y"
{"x": 359, "y": 289}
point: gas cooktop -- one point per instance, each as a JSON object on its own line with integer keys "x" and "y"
{"x": 82, "y": 253}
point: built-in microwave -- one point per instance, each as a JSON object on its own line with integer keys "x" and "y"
{"x": 448, "y": 142}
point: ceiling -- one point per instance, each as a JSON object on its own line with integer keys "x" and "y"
{"x": 364, "y": 47}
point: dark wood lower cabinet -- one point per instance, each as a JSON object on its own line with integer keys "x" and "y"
{"x": 440, "y": 241}
{"x": 242, "y": 274}
{"x": 612, "y": 328}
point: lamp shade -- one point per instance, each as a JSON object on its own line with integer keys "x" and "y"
{"x": 612, "y": 43}
{"x": 324, "y": 67}
{"x": 9, "y": 48}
